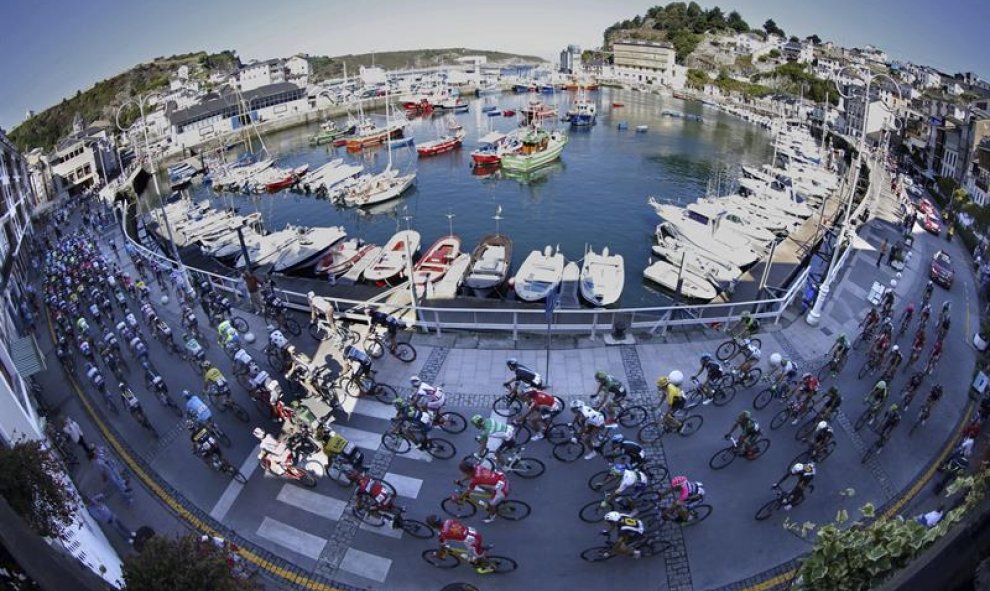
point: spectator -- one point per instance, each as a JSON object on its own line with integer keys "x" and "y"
{"x": 254, "y": 291}
{"x": 74, "y": 433}
{"x": 931, "y": 518}
{"x": 110, "y": 471}
{"x": 883, "y": 251}
{"x": 98, "y": 508}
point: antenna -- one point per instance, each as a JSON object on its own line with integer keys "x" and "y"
{"x": 498, "y": 217}
{"x": 450, "y": 223}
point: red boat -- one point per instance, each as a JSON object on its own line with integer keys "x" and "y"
{"x": 618, "y": 105}
{"x": 439, "y": 146}
{"x": 286, "y": 181}
{"x": 436, "y": 260}
{"x": 489, "y": 151}
{"x": 508, "y": 113}
{"x": 342, "y": 257}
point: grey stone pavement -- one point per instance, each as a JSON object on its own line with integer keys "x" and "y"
{"x": 311, "y": 532}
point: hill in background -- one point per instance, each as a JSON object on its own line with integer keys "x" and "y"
{"x": 333, "y": 67}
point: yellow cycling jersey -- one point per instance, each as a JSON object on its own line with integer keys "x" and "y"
{"x": 213, "y": 375}
{"x": 673, "y": 393}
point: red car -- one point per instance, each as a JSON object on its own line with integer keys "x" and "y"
{"x": 925, "y": 207}
{"x": 931, "y": 224}
{"x": 941, "y": 271}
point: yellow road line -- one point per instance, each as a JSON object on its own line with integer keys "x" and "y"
{"x": 185, "y": 514}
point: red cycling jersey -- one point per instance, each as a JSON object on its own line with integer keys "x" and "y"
{"x": 455, "y": 531}
{"x": 375, "y": 490}
{"x": 541, "y": 398}
{"x": 485, "y": 477}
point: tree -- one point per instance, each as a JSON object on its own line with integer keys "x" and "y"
{"x": 815, "y": 39}
{"x": 736, "y": 23}
{"x": 794, "y": 39}
{"x": 165, "y": 564}
{"x": 772, "y": 29}
{"x": 32, "y": 481}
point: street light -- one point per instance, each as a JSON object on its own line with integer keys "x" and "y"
{"x": 814, "y": 316}
{"x": 140, "y": 101}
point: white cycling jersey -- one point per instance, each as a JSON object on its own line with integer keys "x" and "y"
{"x": 592, "y": 417}
{"x": 243, "y": 357}
{"x": 278, "y": 339}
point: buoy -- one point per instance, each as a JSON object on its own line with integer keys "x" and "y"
{"x": 164, "y": 300}
{"x": 248, "y": 337}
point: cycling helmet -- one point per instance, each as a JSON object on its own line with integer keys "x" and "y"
{"x": 895, "y": 349}
{"x": 744, "y": 414}
{"x": 662, "y": 382}
{"x": 893, "y": 408}
{"x": 434, "y": 521}
{"x": 706, "y": 358}
{"x": 676, "y": 377}
{"x": 121, "y": 385}
{"x": 259, "y": 432}
{"x": 205, "y": 364}
{"x": 468, "y": 464}
{"x": 822, "y": 425}
{"x": 613, "y": 517}
{"x": 807, "y": 376}
{"x": 678, "y": 481}
{"x": 776, "y": 359}
{"x": 576, "y": 404}
{"x": 619, "y": 468}
{"x": 797, "y": 468}
{"x": 477, "y": 421}
{"x": 930, "y": 284}
{"x": 512, "y": 363}
{"x": 186, "y": 394}
{"x": 881, "y": 385}
{"x": 310, "y": 294}
{"x": 842, "y": 338}
{"x": 600, "y": 375}
{"x": 415, "y": 381}
{"x": 618, "y": 438}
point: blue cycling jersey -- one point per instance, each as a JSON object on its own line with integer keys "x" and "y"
{"x": 198, "y": 409}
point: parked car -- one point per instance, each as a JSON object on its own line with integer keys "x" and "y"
{"x": 932, "y": 224}
{"x": 925, "y": 206}
{"x": 942, "y": 272}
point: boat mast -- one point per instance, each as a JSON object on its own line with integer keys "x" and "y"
{"x": 450, "y": 223}
{"x": 498, "y": 217}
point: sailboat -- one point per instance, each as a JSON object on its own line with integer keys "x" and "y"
{"x": 369, "y": 190}
{"x": 602, "y": 277}
{"x": 490, "y": 262}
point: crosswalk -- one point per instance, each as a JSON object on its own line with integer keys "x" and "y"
{"x": 323, "y": 510}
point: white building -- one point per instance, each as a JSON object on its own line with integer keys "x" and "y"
{"x": 84, "y": 160}
{"x": 801, "y": 52}
{"x": 881, "y": 116}
{"x": 570, "y": 59}
{"x": 644, "y": 62}
{"x": 258, "y": 74}
{"x": 298, "y": 70}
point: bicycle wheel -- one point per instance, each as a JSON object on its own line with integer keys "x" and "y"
{"x": 240, "y": 412}
{"x": 698, "y": 514}
{"x": 501, "y": 564}
{"x": 506, "y": 406}
{"x": 216, "y": 402}
{"x": 862, "y": 420}
{"x": 416, "y": 529}
{"x": 656, "y": 471}
{"x": 384, "y": 393}
{"x": 395, "y": 443}
{"x": 653, "y": 547}
{"x": 722, "y": 458}
{"x": 693, "y": 399}
{"x": 724, "y": 395}
{"x": 649, "y": 433}
{"x": 690, "y": 425}
{"x": 568, "y": 451}
{"x": 528, "y": 467}
{"x": 460, "y": 510}
{"x": 780, "y": 419}
{"x": 240, "y": 324}
{"x": 452, "y": 422}
{"x": 767, "y": 510}
{"x": 597, "y": 554}
{"x": 807, "y": 429}
{"x": 440, "y": 449}
{"x": 825, "y": 371}
{"x": 306, "y": 479}
{"x": 763, "y": 398}
{"x": 432, "y": 557}
{"x": 513, "y": 510}
{"x": 560, "y": 432}
{"x": 275, "y": 361}
{"x": 221, "y": 436}
{"x": 632, "y": 416}
{"x": 374, "y": 348}
{"x": 751, "y": 378}
{"x": 762, "y": 445}
{"x": 603, "y": 481}
{"x": 291, "y": 326}
{"x": 864, "y": 370}
{"x": 593, "y": 512}
{"x": 405, "y": 352}
{"x": 372, "y": 518}
{"x": 320, "y": 332}
{"x": 726, "y": 350}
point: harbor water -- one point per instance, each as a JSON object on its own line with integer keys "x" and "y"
{"x": 595, "y": 196}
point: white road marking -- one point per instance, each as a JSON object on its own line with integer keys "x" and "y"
{"x": 369, "y": 440}
{"x": 405, "y": 486}
{"x": 369, "y": 566}
{"x": 385, "y": 530}
{"x": 292, "y": 538}
{"x": 233, "y": 490}
{"x": 372, "y": 408}
{"x": 312, "y": 502}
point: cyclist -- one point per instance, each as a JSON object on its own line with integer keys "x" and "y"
{"x": 225, "y": 328}
{"x": 914, "y": 383}
{"x": 896, "y": 358}
{"x": 204, "y": 444}
{"x": 372, "y": 495}
{"x": 822, "y": 437}
{"x": 918, "y": 344}
{"x": 747, "y": 326}
{"x": 887, "y": 303}
{"x": 926, "y": 298}
{"x": 274, "y": 455}
{"x": 839, "y": 350}
{"x": 521, "y": 373}
{"x": 668, "y": 387}
{"x": 870, "y": 321}
{"x": 110, "y": 341}
{"x": 480, "y": 478}
{"x": 189, "y": 320}
{"x": 628, "y": 448}
{"x": 85, "y": 349}
{"x": 413, "y": 422}
{"x": 926, "y": 312}
{"x": 359, "y": 361}
{"x": 751, "y": 357}
{"x": 212, "y": 376}
{"x": 713, "y": 373}
{"x": 319, "y": 308}
{"x": 139, "y": 348}
{"x": 803, "y": 474}
{"x": 243, "y": 361}
{"x": 82, "y": 326}
{"x": 877, "y": 396}
{"x": 907, "y": 314}
{"x": 831, "y": 402}
{"x": 196, "y": 409}
{"x": 452, "y": 530}
{"x": 936, "y": 354}
{"x": 749, "y": 433}
{"x": 613, "y": 393}
{"x": 391, "y": 324}
{"x": 540, "y": 408}
{"x": 629, "y": 533}
{"x": 781, "y": 369}
{"x": 494, "y": 435}
{"x": 131, "y": 402}
{"x": 934, "y": 395}
{"x": 588, "y": 422}
{"x": 686, "y": 495}
{"x": 148, "y": 313}
{"x": 632, "y": 481}
{"x": 427, "y": 397}
{"x": 890, "y": 420}
{"x": 946, "y": 310}
{"x": 945, "y": 320}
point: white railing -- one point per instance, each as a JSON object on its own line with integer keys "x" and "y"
{"x": 654, "y": 320}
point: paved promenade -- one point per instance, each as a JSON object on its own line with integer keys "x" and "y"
{"x": 309, "y": 536}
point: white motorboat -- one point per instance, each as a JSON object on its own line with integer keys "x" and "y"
{"x": 775, "y": 197}
{"x": 735, "y": 251}
{"x": 738, "y": 215}
{"x": 569, "y": 285}
{"x": 394, "y": 258}
{"x": 268, "y": 247}
{"x": 695, "y": 261}
{"x": 756, "y": 235}
{"x": 234, "y": 176}
{"x": 602, "y": 277}
{"x": 329, "y": 175}
{"x": 672, "y": 277}
{"x": 386, "y": 188}
{"x": 539, "y": 274}
{"x": 489, "y": 266}
{"x": 225, "y": 230}
{"x": 311, "y": 244}
{"x": 447, "y": 287}
{"x": 229, "y": 248}
{"x": 774, "y": 220}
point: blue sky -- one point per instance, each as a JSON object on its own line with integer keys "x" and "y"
{"x": 51, "y": 48}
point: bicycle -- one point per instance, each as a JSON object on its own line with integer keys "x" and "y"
{"x": 464, "y": 504}
{"x": 869, "y": 415}
{"x": 932, "y": 363}
{"x": 397, "y": 440}
{"x": 797, "y": 408}
{"x": 635, "y": 503}
{"x": 733, "y": 346}
{"x": 815, "y": 453}
{"x": 221, "y": 398}
{"x": 726, "y": 456}
{"x": 882, "y": 437}
{"x": 746, "y": 379}
{"x": 323, "y": 330}
{"x": 779, "y": 390}
{"x": 871, "y": 365}
{"x": 865, "y": 335}
{"x": 696, "y": 512}
{"x": 570, "y": 445}
{"x": 511, "y": 461}
{"x": 685, "y": 427}
{"x": 451, "y": 557}
{"x": 395, "y": 518}
{"x": 221, "y": 465}
{"x": 366, "y": 384}
{"x": 650, "y": 546}
{"x": 280, "y": 316}
{"x": 923, "y": 415}
{"x": 608, "y": 480}
{"x": 833, "y": 366}
{"x": 376, "y": 344}
{"x": 629, "y": 416}
{"x": 720, "y": 393}
{"x": 211, "y": 428}
{"x": 782, "y": 498}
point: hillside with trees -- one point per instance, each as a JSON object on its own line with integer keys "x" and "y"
{"x": 325, "y": 68}
{"x": 102, "y": 99}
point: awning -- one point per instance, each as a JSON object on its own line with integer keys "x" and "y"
{"x": 27, "y": 357}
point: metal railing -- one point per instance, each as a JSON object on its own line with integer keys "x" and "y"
{"x": 653, "y": 320}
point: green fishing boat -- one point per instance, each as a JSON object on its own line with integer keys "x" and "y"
{"x": 539, "y": 148}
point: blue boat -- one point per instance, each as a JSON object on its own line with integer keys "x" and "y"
{"x": 523, "y": 88}
{"x": 547, "y": 89}
{"x": 495, "y": 113}
{"x": 488, "y": 108}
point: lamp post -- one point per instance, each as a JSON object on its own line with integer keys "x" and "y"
{"x": 814, "y": 316}
{"x": 140, "y": 102}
